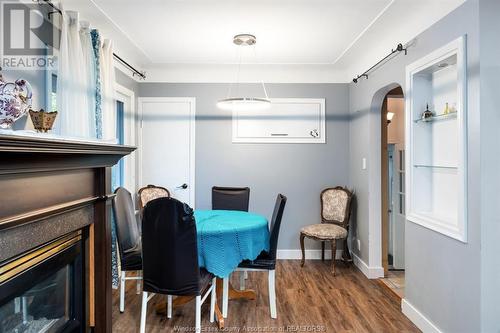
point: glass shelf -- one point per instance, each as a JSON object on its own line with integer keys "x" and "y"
{"x": 451, "y": 167}
{"x": 438, "y": 117}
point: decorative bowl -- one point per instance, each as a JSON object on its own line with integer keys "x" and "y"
{"x": 42, "y": 120}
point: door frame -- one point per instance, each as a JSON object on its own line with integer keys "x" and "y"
{"x": 129, "y": 130}
{"x": 384, "y": 179}
{"x": 192, "y": 137}
{"x": 384, "y": 175}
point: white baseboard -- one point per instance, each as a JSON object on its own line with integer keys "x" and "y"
{"x": 371, "y": 272}
{"x": 310, "y": 254}
{"x": 424, "y": 324}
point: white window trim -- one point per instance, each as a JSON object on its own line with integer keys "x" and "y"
{"x": 127, "y": 96}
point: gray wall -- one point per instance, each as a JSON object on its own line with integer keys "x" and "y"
{"x": 442, "y": 275}
{"x": 489, "y": 26}
{"x": 126, "y": 81}
{"x": 300, "y": 171}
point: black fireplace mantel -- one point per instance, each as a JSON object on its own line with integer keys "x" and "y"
{"x": 52, "y": 187}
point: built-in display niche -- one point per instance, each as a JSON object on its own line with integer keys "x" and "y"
{"x": 436, "y": 140}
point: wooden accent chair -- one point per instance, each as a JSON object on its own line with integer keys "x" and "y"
{"x": 151, "y": 192}
{"x": 335, "y": 215}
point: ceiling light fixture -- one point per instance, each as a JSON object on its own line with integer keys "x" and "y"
{"x": 244, "y": 103}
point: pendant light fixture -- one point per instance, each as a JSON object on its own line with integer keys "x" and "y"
{"x": 238, "y": 103}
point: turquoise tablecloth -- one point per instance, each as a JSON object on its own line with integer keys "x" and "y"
{"x": 226, "y": 238}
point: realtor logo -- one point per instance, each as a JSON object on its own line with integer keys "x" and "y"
{"x": 28, "y": 37}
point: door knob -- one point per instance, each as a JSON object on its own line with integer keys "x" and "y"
{"x": 183, "y": 186}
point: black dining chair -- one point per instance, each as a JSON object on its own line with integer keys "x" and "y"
{"x": 266, "y": 261}
{"x": 128, "y": 238}
{"x": 230, "y": 198}
{"x": 170, "y": 258}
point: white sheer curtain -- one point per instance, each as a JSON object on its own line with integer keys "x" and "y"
{"x": 77, "y": 77}
{"x": 73, "y": 105}
{"x": 89, "y": 68}
{"x": 108, "y": 91}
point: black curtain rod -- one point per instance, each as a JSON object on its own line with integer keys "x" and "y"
{"x": 398, "y": 49}
{"x": 142, "y": 75}
{"x": 51, "y": 5}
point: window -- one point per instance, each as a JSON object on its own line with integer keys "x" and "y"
{"x": 401, "y": 173}
{"x": 118, "y": 173}
{"x": 53, "y": 93}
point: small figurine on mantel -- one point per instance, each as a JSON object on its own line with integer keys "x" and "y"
{"x": 427, "y": 114}
{"x": 446, "y": 109}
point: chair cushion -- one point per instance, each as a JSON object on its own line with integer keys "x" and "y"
{"x": 324, "y": 231}
{"x": 263, "y": 261}
{"x": 205, "y": 279}
{"x": 131, "y": 260}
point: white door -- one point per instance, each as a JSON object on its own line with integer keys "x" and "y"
{"x": 167, "y": 133}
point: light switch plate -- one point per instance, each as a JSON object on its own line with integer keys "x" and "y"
{"x": 364, "y": 163}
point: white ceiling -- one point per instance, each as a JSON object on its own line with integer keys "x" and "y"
{"x": 338, "y": 33}
{"x": 288, "y": 31}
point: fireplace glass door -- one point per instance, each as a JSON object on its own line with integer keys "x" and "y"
{"x": 45, "y": 297}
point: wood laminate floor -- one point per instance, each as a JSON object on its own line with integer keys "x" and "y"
{"x": 395, "y": 281}
{"x": 309, "y": 299}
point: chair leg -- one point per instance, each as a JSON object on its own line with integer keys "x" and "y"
{"x": 302, "y": 236}
{"x": 272, "y": 293}
{"x": 122, "y": 291}
{"x": 24, "y": 305}
{"x": 138, "y": 286}
{"x": 346, "y": 254}
{"x": 144, "y": 310}
{"x": 225, "y": 296}
{"x": 242, "y": 280}
{"x": 169, "y": 306}
{"x": 322, "y": 251}
{"x": 198, "y": 314}
{"x": 213, "y": 298}
{"x": 334, "y": 250}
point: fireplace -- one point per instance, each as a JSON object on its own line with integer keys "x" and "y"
{"x": 55, "y": 234}
{"x": 41, "y": 290}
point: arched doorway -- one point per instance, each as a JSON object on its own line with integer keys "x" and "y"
{"x": 392, "y": 175}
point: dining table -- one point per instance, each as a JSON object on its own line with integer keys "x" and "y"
{"x": 225, "y": 239}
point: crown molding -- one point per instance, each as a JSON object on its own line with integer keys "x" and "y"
{"x": 219, "y": 73}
